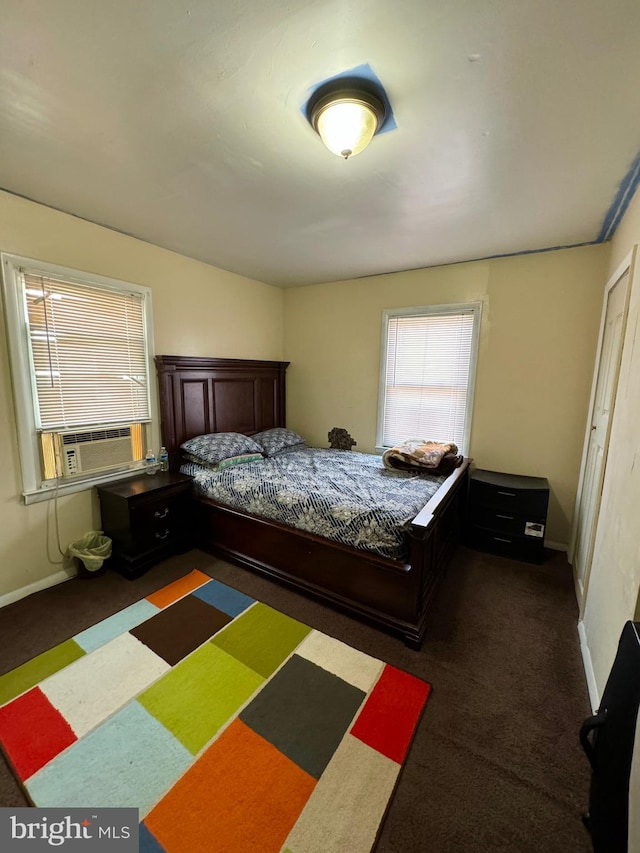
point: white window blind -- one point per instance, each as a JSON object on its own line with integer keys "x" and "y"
{"x": 427, "y": 376}
{"x": 88, "y": 352}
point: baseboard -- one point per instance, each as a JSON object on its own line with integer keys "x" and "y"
{"x": 24, "y": 591}
{"x": 594, "y": 696}
{"x": 555, "y": 546}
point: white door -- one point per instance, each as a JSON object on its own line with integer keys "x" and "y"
{"x": 588, "y": 503}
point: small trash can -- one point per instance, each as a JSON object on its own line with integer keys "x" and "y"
{"x": 90, "y": 552}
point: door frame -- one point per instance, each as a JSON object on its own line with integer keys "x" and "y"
{"x": 626, "y": 266}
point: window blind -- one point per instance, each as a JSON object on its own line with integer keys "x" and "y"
{"x": 88, "y": 352}
{"x": 428, "y": 363}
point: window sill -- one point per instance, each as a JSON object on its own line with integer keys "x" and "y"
{"x": 82, "y": 484}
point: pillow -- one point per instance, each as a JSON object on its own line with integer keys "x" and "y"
{"x": 272, "y": 441}
{"x": 224, "y": 463}
{"x": 213, "y": 448}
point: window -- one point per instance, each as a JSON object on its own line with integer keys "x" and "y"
{"x": 80, "y": 360}
{"x": 427, "y": 374}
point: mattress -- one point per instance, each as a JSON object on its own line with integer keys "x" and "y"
{"x": 340, "y": 495}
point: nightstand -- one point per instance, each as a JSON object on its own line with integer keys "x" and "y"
{"x": 147, "y": 517}
{"x": 507, "y": 514}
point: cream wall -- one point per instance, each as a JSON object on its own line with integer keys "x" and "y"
{"x": 614, "y": 582}
{"x": 537, "y": 348}
{"x": 198, "y": 310}
{"x": 540, "y": 318}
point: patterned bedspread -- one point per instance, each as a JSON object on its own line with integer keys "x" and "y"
{"x": 340, "y": 495}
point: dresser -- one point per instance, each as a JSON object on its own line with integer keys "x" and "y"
{"x": 507, "y": 514}
{"x": 147, "y": 518}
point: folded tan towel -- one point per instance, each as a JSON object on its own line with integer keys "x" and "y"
{"x": 418, "y": 453}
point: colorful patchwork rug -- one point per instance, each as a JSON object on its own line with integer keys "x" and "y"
{"x": 229, "y": 725}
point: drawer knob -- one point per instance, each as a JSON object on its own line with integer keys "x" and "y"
{"x": 162, "y": 535}
{"x": 163, "y": 514}
{"x": 500, "y": 539}
{"x": 508, "y": 517}
{"x": 508, "y": 494}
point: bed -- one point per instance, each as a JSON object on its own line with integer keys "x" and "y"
{"x": 208, "y": 395}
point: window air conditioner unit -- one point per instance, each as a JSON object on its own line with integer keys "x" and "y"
{"x": 95, "y": 450}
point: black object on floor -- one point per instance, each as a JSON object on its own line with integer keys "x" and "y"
{"x": 608, "y": 739}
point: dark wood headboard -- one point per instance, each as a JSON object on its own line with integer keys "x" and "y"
{"x": 204, "y": 395}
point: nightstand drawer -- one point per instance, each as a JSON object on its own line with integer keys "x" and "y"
{"x": 155, "y": 522}
{"x": 507, "y": 522}
{"x": 516, "y": 547}
{"x": 509, "y": 500}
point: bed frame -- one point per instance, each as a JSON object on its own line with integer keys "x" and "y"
{"x": 204, "y": 395}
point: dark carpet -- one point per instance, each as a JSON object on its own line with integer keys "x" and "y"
{"x": 495, "y": 765}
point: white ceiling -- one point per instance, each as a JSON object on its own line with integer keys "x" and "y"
{"x": 180, "y": 122}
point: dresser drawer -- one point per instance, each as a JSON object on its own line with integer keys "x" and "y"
{"x": 158, "y": 521}
{"x": 512, "y": 501}
{"x": 531, "y": 550}
{"x": 507, "y": 522}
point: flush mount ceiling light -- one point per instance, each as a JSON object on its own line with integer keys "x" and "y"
{"x": 346, "y": 115}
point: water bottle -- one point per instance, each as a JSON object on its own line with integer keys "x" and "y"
{"x": 150, "y": 462}
{"x": 163, "y": 459}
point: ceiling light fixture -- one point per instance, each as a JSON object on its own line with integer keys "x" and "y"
{"x": 346, "y": 116}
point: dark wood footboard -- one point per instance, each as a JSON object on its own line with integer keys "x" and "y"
{"x": 435, "y": 533}
{"x": 386, "y": 592}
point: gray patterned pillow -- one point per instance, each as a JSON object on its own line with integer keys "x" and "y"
{"x": 213, "y": 448}
{"x": 224, "y": 463}
{"x": 272, "y": 441}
